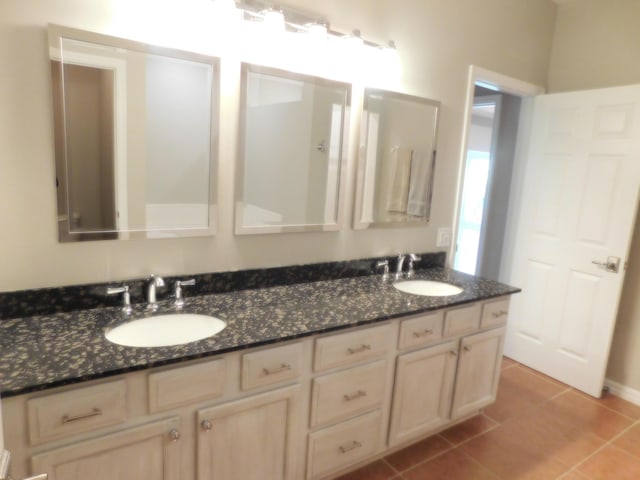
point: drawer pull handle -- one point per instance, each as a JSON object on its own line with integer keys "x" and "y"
{"x": 453, "y": 352}
{"x": 362, "y": 348}
{"x": 499, "y": 314}
{"x": 174, "y": 435}
{"x": 423, "y": 333}
{"x": 467, "y": 348}
{"x": 93, "y": 413}
{"x": 355, "y": 395}
{"x": 272, "y": 371}
{"x": 347, "y": 448}
{"x": 206, "y": 425}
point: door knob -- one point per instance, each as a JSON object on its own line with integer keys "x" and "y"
{"x": 611, "y": 265}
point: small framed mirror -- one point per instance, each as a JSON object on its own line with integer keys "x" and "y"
{"x": 290, "y": 163}
{"x": 135, "y": 129}
{"x": 396, "y": 160}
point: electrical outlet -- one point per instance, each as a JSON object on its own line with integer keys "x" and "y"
{"x": 444, "y": 237}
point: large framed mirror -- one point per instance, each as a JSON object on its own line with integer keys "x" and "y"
{"x": 290, "y": 172}
{"x": 396, "y": 160}
{"x": 135, "y": 130}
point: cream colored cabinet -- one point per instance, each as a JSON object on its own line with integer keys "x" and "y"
{"x": 148, "y": 452}
{"x": 480, "y": 358}
{"x": 423, "y": 391}
{"x": 255, "y": 438}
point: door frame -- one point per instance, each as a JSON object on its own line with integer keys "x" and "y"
{"x": 502, "y": 84}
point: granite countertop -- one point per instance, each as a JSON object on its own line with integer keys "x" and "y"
{"x": 46, "y": 351}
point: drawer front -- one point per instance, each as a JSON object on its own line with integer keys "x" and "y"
{"x": 185, "y": 385}
{"x": 268, "y": 367}
{"x": 344, "y": 394}
{"x": 462, "y": 320}
{"x": 344, "y": 444}
{"x": 495, "y": 313}
{"x": 418, "y": 331}
{"x": 348, "y": 348}
{"x": 80, "y": 410}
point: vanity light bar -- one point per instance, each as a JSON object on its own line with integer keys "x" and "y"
{"x": 297, "y": 21}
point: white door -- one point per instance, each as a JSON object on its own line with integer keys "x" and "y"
{"x": 578, "y": 207}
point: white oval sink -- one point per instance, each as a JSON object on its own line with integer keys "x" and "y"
{"x": 428, "y": 288}
{"x": 165, "y": 330}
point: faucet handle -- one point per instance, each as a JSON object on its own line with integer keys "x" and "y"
{"x": 385, "y": 272}
{"x": 179, "y": 301}
{"x": 126, "y": 297}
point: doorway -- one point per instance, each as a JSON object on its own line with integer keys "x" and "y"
{"x": 486, "y": 186}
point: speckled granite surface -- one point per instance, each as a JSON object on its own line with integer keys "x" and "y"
{"x": 45, "y": 351}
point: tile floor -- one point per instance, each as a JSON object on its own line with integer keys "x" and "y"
{"x": 538, "y": 428}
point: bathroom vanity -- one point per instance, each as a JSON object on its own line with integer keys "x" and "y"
{"x": 307, "y": 380}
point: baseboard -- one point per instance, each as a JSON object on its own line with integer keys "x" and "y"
{"x": 627, "y": 393}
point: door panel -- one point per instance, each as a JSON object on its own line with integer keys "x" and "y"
{"x": 581, "y": 179}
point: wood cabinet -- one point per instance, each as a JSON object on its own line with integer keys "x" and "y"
{"x": 148, "y": 452}
{"x": 423, "y": 391}
{"x": 313, "y": 407}
{"x": 250, "y": 439}
{"x": 480, "y": 358}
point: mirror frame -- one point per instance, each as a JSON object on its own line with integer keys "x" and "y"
{"x": 241, "y": 229}
{"x": 56, "y": 34}
{"x": 358, "y": 224}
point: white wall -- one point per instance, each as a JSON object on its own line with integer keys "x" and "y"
{"x": 597, "y": 45}
{"x": 437, "y": 41}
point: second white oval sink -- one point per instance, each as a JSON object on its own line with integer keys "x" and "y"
{"x": 427, "y": 288}
{"x": 165, "y": 330}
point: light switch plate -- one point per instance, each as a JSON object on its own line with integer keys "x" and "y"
{"x": 444, "y": 237}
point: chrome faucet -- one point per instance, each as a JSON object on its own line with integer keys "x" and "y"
{"x": 412, "y": 258}
{"x": 153, "y": 282}
{"x": 399, "y": 265}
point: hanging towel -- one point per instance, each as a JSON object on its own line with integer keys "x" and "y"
{"x": 400, "y": 174}
{"x": 419, "y": 184}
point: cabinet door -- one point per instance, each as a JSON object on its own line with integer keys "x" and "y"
{"x": 256, "y": 438}
{"x": 478, "y": 374}
{"x": 422, "y": 393}
{"x": 149, "y": 452}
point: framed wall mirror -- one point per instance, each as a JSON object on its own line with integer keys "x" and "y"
{"x": 135, "y": 138}
{"x": 396, "y": 160}
{"x": 290, "y": 164}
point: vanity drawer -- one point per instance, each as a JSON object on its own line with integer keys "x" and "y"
{"x": 418, "y": 331}
{"x": 462, "y": 320}
{"x": 347, "y": 348}
{"x": 344, "y": 394}
{"x": 495, "y": 313}
{"x": 185, "y": 385}
{"x": 271, "y": 366}
{"x": 80, "y": 410}
{"x": 344, "y": 444}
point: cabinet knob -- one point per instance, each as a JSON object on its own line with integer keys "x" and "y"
{"x": 453, "y": 352}
{"x": 174, "y": 435}
{"x": 206, "y": 425}
{"x": 468, "y": 348}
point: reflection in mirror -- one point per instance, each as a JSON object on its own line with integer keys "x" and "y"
{"x": 396, "y": 160}
{"x": 291, "y": 142}
{"x": 134, "y": 135}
